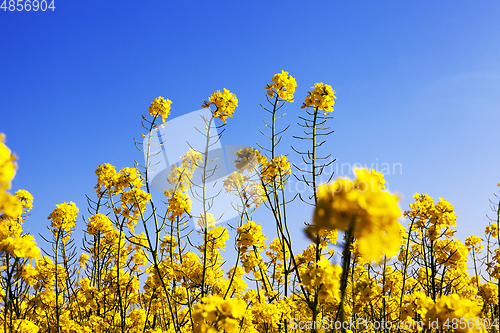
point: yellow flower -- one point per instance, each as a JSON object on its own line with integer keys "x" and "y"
{"x": 214, "y": 311}
{"x": 474, "y": 242}
{"x": 7, "y": 164}
{"x": 24, "y": 326}
{"x": 322, "y": 97}
{"x": 83, "y": 259}
{"x": 179, "y": 204}
{"x": 492, "y": 230}
{"x": 360, "y": 205}
{"x": 283, "y": 85}
{"x": 29, "y": 273}
{"x": 21, "y": 247}
{"x": 250, "y": 234}
{"x": 160, "y": 107}
{"x": 181, "y": 174}
{"x": 489, "y": 292}
{"x": 326, "y": 277}
{"x": 216, "y": 239}
{"x": 210, "y": 222}
{"x": 99, "y": 223}
{"x": 225, "y": 103}
{"x": 9, "y": 205}
{"x": 275, "y": 169}
{"x": 451, "y": 253}
{"x": 246, "y": 159}
{"x": 25, "y": 198}
{"x": 129, "y": 177}
{"x": 432, "y": 220}
{"x": 137, "y": 199}
{"x": 234, "y": 181}
{"x": 64, "y": 218}
{"x": 107, "y": 177}
{"x": 451, "y": 309}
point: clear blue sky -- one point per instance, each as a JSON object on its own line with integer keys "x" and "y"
{"x": 418, "y": 83}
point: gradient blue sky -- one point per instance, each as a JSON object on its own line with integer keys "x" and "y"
{"x": 418, "y": 83}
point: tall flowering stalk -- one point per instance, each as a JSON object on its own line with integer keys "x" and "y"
{"x": 275, "y": 171}
{"x": 318, "y": 104}
{"x": 225, "y": 103}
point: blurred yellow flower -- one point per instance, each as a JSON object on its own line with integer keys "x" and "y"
{"x": 363, "y": 206}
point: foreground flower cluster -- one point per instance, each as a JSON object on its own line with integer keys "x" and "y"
{"x": 144, "y": 269}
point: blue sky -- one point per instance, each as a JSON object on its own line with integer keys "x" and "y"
{"x": 418, "y": 83}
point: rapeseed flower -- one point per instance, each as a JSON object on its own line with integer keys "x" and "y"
{"x": 225, "y": 103}
{"x": 160, "y": 107}
{"x": 321, "y": 97}
{"x": 363, "y": 206}
{"x": 283, "y": 85}
{"x": 63, "y": 219}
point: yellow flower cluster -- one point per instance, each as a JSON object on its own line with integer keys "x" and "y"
{"x": 108, "y": 179}
{"x": 99, "y": 223}
{"x": 492, "y": 230}
{"x": 321, "y": 97}
{"x": 250, "y": 191}
{"x": 129, "y": 177}
{"x": 494, "y": 265}
{"x": 167, "y": 279}
{"x": 267, "y": 316}
{"x": 26, "y": 199}
{"x": 275, "y": 169}
{"x": 134, "y": 204}
{"x": 363, "y": 207}
{"x": 83, "y": 260}
{"x": 474, "y": 242}
{"x": 160, "y": 107}
{"x": 215, "y": 314}
{"x": 24, "y": 326}
{"x": 216, "y": 239}
{"x": 433, "y": 220}
{"x": 251, "y": 240}
{"x": 7, "y": 164}
{"x": 63, "y": 219}
{"x": 489, "y": 292}
{"x": 8, "y": 203}
{"x": 249, "y": 188}
{"x": 451, "y": 253}
{"x": 21, "y": 247}
{"x": 181, "y": 174}
{"x": 250, "y": 234}
{"x": 450, "y": 309}
{"x": 179, "y": 204}
{"x": 234, "y": 181}
{"x": 246, "y": 159}
{"x": 283, "y": 85}
{"x": 225, "y": 103}
{"x": 326, "y": 278}
{"x": 12, "y": 241}
{"x": 209, "y": 222}
{"x": 253, "y": 194}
